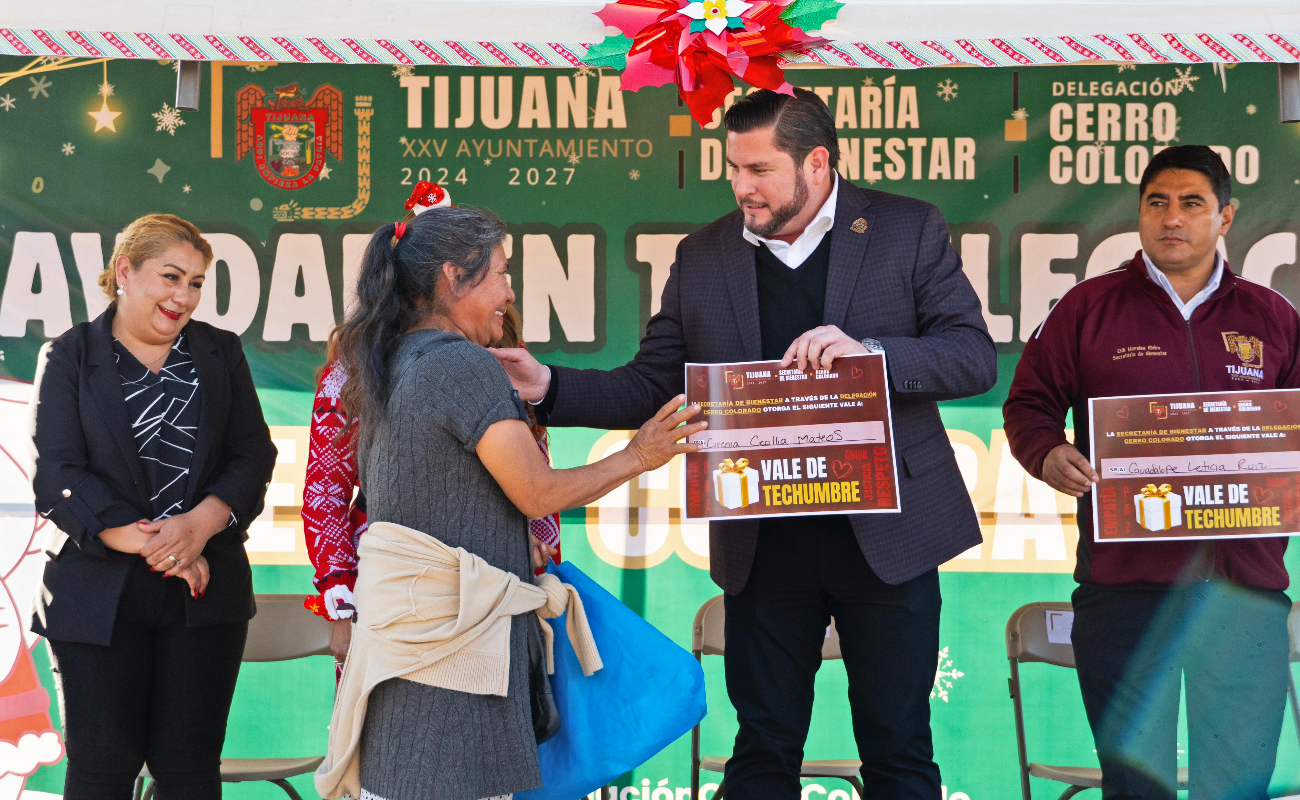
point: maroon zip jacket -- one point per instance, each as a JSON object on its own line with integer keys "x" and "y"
{"x": 1071, "y": 358}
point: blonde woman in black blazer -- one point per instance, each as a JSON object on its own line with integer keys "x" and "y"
{"x": 152, "y": 457}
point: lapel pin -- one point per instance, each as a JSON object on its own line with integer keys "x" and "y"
{"x": 859, "y": 225}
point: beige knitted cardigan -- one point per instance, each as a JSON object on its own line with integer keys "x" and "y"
{"x": 435, "y": 615}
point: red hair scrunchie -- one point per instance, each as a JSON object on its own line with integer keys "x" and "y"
{"x": 399, "y": 229}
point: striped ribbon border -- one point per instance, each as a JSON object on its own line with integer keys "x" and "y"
{"x": 1167, "y": 48}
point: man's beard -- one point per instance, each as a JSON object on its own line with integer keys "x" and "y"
{"x": 782, "y": 215}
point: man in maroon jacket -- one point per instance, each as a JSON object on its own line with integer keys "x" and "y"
{"x": 1146, "y": 613}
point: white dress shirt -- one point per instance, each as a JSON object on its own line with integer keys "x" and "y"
{"x": 1186, "y": 309}
{"x": 797, "y": 252}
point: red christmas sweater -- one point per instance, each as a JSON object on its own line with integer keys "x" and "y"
{"x": 1071, "y": 357}
{"x": 333, "y": 509}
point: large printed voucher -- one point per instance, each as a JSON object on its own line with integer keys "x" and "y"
{"x": 785, "y": 442}
{"x": 1216, "y": 465}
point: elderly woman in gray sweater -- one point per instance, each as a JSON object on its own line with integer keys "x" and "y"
{"x": 444, "y": 448}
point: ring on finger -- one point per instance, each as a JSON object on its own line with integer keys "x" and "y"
{"x": 175, "y": 561}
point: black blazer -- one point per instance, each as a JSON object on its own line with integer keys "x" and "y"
{"x": 899, "y": 281}
{"x": 88, "y": 478}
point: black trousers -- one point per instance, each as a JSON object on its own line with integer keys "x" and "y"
{"x": 805, "y": 572}
{"x": 1135, "y": 647}
{"x": 160, "y": 693}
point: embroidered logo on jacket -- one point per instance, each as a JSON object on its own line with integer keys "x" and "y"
{"x": 1251, "y": 352}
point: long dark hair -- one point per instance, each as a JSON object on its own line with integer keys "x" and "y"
{"x": 400, "y": 284}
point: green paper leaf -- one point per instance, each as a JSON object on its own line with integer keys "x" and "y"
{"x": 698, "y": 25}
{"x": 612, "y": 52}
{"x": 811, "y": 15}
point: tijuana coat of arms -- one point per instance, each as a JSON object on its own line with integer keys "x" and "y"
{"x": 289, "y": 136}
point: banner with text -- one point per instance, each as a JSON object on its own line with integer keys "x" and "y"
{"x": 288, "y": 169}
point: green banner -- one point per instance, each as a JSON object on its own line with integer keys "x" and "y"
{"x": 288, "y": 169}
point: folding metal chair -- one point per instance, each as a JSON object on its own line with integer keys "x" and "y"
{"x": 708, "y": 639}
{"x": 1027, "y": 641}
{"x": 282, "y": 631}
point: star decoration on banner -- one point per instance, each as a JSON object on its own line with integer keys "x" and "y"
{"x": 69, "y": 148}
{"x": 324, "y": 171}
{"x": 39, "y": 87}
{"x": 487, "y": 162}
{"x": 402, "y": 140}
{"x": 159, "y": 169}
{"x": 186, "y": 188}
{"x": 7, "y": 102}
{"x": 104, "y": 117}
{"x": 868, "y": 81}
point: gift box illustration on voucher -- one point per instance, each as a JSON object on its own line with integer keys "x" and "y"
{"x": 1158, "y": 508}
{"x": 735, "y": 483}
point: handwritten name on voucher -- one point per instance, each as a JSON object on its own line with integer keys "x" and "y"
{"x": 785, "y": 442}
{"x": 1196, "y": 466}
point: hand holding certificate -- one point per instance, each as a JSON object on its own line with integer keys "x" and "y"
{"x": 1219, "y": 465}
{"x": 785, "y": 441}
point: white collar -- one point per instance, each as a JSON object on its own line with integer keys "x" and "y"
{"x": 1161, "y": 279}
{"x": 823, "y": 222}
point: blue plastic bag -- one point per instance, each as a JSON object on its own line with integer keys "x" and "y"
{"x": 650, "y": 692}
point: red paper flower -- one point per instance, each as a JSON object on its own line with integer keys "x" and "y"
{"x": 671, "y": 45}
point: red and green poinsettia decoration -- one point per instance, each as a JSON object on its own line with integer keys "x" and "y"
{"x": 702, "y": 44}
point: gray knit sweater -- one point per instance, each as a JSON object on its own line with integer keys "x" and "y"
{"x": 420, "y": 470}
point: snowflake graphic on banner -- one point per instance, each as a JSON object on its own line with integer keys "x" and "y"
{"x": 7, "y": 102}
{"x": 635, "y": 174}
{"x": 945, "y": 673}
{"x": 403, "y": 71}
{"x": 1178, "y": 121}
{"x": 868, "y": 81}
{"x": 106, "y": 89}
{"x": 69, "y": 148}
{"x": 1184, "y": 80}
{"x": 1020, "y": 114}
{"x": 947, "y": 90}
{"x": 39, "y": 87}
{"x": 169, "y": 119}
{"x": 1250, "y": 109}
{"x": 575, "y": 159}
{"x": 584, "y": 72}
